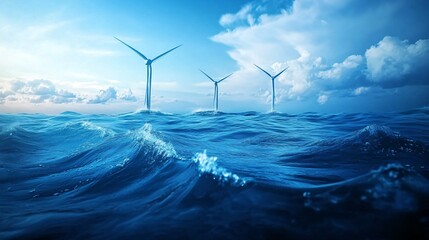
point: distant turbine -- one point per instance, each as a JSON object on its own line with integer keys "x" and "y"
{"x": 216, "y": 90}
{"x": 149, "y": 71}
{"x": 272, "y": 80}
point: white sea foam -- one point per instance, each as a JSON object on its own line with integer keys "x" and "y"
{"x": 146, "y": 135}
{"x": 208, "y": 164}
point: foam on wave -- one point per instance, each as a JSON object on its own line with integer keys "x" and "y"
{"x": 147, "y": 136}
{"x": 208, "y": 165}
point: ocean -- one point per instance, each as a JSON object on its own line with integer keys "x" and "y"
{"x": 206, "y": 175}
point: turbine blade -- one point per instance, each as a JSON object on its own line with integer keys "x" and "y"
{"x": 165, "y": 53}
{"x": 207, "y": 75}
{"x": 263, "y": 70}
{"x": 224, "y": 78}
{"x": 278, "y": 74}
{"x": 139, "y": 53}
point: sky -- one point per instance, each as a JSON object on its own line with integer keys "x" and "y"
{"x": 341, "y": 55}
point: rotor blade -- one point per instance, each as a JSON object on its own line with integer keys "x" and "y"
{"x": 207, "y": 75}
{"x": 224, "y": 78}
{"x": 278, "y": 74}
{"x": 165, "y": 53}
{"x": 139, "y": 53}
{"x": 263, "y": 71}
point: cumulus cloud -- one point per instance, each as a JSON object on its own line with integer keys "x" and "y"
{"x": 36, "y": 91}
{"x": 104, "y": 96}
{"x": 393, "y": 58}
{"x": 319, "y": 43}
{"x": 4, "y": 93}
{"x": 111, "y": 94}
{"x": 338, "y": 70}
{"x": 127, "y": 95}
{"x": 45, "y": 91}
{"x": 299, "y": 73}
{"x": 34, "y": 87}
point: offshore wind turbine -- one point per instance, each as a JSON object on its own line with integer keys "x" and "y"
{"x": 272, "y": 81}
{"x": 216, "y": 90}
{"x": 149, "y": 71}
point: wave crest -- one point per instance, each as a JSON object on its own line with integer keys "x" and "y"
{"x": 208, "y": 165}
{"x": 104, "y": 132}
{"x": 148, "y": 137}
{"x": 392, "y": 187}
{"x": 374, "y": 139}
{"x": 382, "y": 139}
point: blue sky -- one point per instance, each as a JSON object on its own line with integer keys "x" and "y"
{"x": 343, "y": 56}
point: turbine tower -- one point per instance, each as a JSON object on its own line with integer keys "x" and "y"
{"x": 216, "y": 90}
{"x": 272, "y": 81}
{"x": 149, "y": 62}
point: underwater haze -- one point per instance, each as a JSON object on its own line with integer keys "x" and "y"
{"x": 205, "y": 175}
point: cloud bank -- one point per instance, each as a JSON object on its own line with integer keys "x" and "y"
{"x": 45, "y": 91}
{"x": 341, "y": 47}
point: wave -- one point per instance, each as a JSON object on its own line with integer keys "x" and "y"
{"x": 208, "y": 165}
{"x": 71, "y": 113}
{"x": 374, "y": 141}
{"x": 153, "y": 112}
{"x": 116, "y": 164}
{"x": 393, "y": 187}
{"x": 382, "y": 139}
{"x": 270, "y": 176}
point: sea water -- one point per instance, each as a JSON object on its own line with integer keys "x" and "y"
{"x": 206, "y": 175}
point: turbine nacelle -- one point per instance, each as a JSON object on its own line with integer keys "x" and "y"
{"x": 149, "y": 62}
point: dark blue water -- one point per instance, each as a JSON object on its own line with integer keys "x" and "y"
{"x": 215, "y": 176}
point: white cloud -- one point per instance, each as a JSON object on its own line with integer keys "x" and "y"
{"x": 339, "y": 69}
{"x": 392, "y": 58}
{"x": 111, "y": 94}
{"x": 127, "y": 95}
{"x": 322, "y": 99}
{"x": 34, "y": 87}
{"x": 360, "y": 90}
{"x": 4, "y": 93}
{"x": 299, "y": 75}
{"x": 45, "y": 91}
{"x": 36, "y": 91}
{"x": 104, "y": 96}
{"x": 318, "y": 41}
{"x": 243, "y": 14}
{"x": 54, "y": 46}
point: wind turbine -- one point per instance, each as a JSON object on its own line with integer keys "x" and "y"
{"x": 216, "y": 90}
{"x": 272, "y": 81}
{"x": 149, "y": 71}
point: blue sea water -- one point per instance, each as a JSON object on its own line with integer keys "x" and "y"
{"x": 212, "y": 175}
